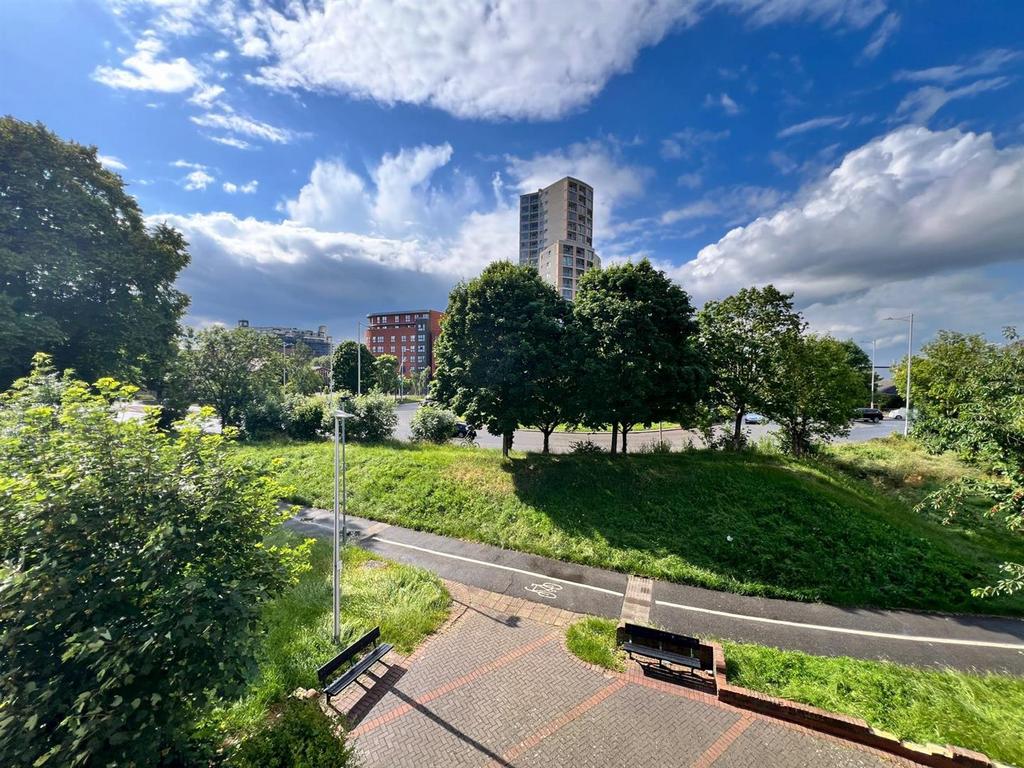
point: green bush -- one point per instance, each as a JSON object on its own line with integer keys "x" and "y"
{"x": 585, "y": 446}
{"x": 300, "y": 736}
{"x": 434, "y": 425}
{"x": 305, "y": 415}
{"x": 132, "y": 574}
{"x": 263, "y": 417}
{"x": 375, "y": 418}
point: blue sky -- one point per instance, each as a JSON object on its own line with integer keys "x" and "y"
{"x": 330, "y": 159}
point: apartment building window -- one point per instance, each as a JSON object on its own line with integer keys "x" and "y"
{"x": 422, "y": 348}
{"x": 423, "y": 337}
{"x": 567, "y": 293}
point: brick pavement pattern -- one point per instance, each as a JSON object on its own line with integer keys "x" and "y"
{"x": 495, "y": 688}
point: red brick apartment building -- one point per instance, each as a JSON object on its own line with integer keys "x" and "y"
{"x": 410, "y": 336}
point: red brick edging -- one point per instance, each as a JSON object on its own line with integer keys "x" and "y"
{"x": 848, "y": 728}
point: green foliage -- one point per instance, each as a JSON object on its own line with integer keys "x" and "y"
{"x": 302, "y": 371}
{"x": 815, "y": 394}
{"x": 593, "y": 640}
{"x": 81, "y": 276}
{"x": 800, "y": 530}
{"x": 350, "y": 359}
{"x": 238, "y": 372}
{"x": 984, "y": 712}
{"x": 641, "y": 362}
{"x": 385, "y": 374}
{"x": 299, "y": 736}
{"x": 375, "y": 418}
{"x": 500, "y": 338}
{"x": 585, "y": 447}
{"x": 133, "y": 570}
{"x": 434, "y": 425}
{"x": 305, "y": 416}
{"x": 742, "y": 337}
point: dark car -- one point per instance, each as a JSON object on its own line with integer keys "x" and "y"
{"x": 868, "y": 414}
{"x": 461, "y": 429}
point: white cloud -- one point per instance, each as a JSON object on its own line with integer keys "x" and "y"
{"x": 246, "y": 126}
{"x": 206, "y": 95}
{"x": 985, "y": 63}
{"x": 144, "y": 71}
{"x": 198, "y": 180}
{"x": 231, "y": 141}
{"x": 850, "y": 13}
{"x": 246, "y": 189}
{"x": 724, "y": 101}
{"x": 111, "y": 163}
{"x": 333, "y": 198}
{"x": 732, "y": 204}
{"x": 890, "y": 26}
{"x": 689, "y": 180}
{"x": 921, "y": 104}
{"x": 684, "y": 144}
{"x": 829, "y": 121}
{"x": 910, "y": 203}
{"x": 188, "y": 164}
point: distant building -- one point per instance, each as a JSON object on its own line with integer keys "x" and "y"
{"x": 409, "y": 335}
{"x": 556, "y": 233}
{"x": 318, "y": 342}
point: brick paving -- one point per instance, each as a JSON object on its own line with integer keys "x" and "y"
{"x": 497, "y": 687}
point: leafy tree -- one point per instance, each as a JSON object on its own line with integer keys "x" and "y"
{"x": 300, "y": 371}
{"x": 433, "y": 424}
{"x": 499, "y": 339}
{"x": 132, "y": 571}
{"x": 816, "y": 392}
{"x": 351, "y": 358}
{"x": 860, "y": 361}
{"x": 420, "y": 382}
{"x": 742, "y": 337}
{"x": 988, "y": 401}
{"x": 942, "y": 382}
{"x": 374, "y": 417}
{"x": 641, "y": 363}
{"x": 385, "y": 374}
{"x": 305, "y": 415}
{"x": 81, "y": 276}
{"x": 558, "y": 391}
{"x": 236, "y": 370}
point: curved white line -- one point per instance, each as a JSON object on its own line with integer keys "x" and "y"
{"x": 846, "y": 630}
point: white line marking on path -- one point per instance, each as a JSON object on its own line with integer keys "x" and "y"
{"x": 501, "y": 567}
{"x": 846, "y": 630}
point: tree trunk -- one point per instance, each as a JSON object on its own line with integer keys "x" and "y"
{"x": 506, "y": 443}
{"x": 737, "y": 429}
{"x": 615, "y": 437}
{"x": 547, "y": 435}
{"x": 625, "y": 431}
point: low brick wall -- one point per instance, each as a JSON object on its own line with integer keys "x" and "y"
{"x": 850, "y": 728}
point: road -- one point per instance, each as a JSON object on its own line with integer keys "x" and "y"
{"x": 926, "y": 639}
{"x": 561, "y": 442}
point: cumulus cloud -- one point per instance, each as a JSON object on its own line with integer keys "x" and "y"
{"x": 144, "y": 70}
{"x": 198, "y": 181}
{"x": 911, "y": 203}
{"x": 111, "y": 163}
{"x": 248, "y": 188}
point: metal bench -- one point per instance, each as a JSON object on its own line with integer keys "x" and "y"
{"x": 370, "y": 640}
{"x": 665, "y": 647}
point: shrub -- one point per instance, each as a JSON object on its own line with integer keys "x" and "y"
{"x": 662, "y": 446}
{"x": 300, "y": 736}
{"x": 585, "y": 446}
{"x": 374, "y": 418}
{"x": 434, "y": 425}
{"x": 132, "y": 574}
{"x": 305, "y": 415}
{"x": 263, "y": 417}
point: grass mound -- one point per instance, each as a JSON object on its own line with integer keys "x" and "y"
{"x": 981, "y": 712}
{"x": 747, "y": 523}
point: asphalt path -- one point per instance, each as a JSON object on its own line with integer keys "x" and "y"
{"x": 924, "y": 639}
{"x": 531, "y": 440}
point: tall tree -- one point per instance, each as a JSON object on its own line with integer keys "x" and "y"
{"x": 81, "y": 276}
{"x": 742, "y": 337}
{"x": 235, "y": 370}
{"x": 860, "y": 361}
{"x": 350, "y": 360}
{"x": 499, "y": 339}
{"x": 641, "y": 359}
{"x": 816, "y": 392}
{"x": 385, "y": 374}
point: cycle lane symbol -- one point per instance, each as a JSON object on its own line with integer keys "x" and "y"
{"x": 546, "y": 589}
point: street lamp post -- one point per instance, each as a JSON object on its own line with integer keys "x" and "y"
{"x": 873, "y": 347}
{"x": 339, "y": 472}
{"x": 359, "y": 357}
{"x": 910, "y": 349}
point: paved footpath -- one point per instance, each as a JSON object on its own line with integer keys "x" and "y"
{"x": 927, "y": 639}
{"x": 497, "y": 687}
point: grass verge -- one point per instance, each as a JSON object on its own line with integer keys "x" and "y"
{"x": 407, "y": 603}
{"x": 747, "y": 522}
{"x": 981, "y": 712}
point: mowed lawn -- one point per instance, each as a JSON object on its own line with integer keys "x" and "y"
{"x": 748, "y": 523}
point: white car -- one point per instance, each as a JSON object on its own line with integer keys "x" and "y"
{"x": 900, "y": 414}
{"x": 755, "y": 418}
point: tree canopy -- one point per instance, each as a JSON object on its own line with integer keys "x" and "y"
{"x": 641, "y": 360}
{"x": 350, "y": 359}
{"x": 499, "y": 338}
{"x": 81, "y": 275}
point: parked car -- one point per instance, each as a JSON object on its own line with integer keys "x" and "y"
{"x": 899, "y": 414}
{"x": 755, "y": 418}
{"x": 868, "y": 414}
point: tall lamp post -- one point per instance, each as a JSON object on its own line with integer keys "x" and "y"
{"x": 339, "y": 472}
{"x": 359, "y": 357}
{"x": 873, "y": 346}
{"x": 910, "y": 348}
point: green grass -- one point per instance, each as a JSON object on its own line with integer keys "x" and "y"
{"x": 593, "y": 640}
{"x": 407, "y": 603}
{"x": 747, "y": 523}
{"x": 981, "y": 712}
